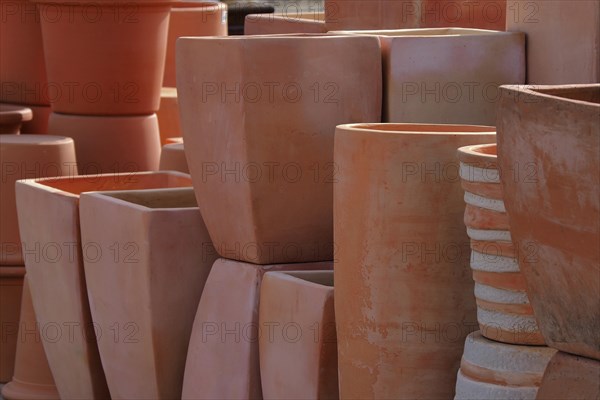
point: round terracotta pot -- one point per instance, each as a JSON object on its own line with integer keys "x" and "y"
{"x": 39, "y": 123}
{"x": 172, "y": 158}
{"x": 168, "y": 115}
{"x": 404, "y": 298}
{"x": 503, "y": 309}
{"x": 11, "y": 287}
{"x": 11, "y": 118}
{"x": 109, "y": 144}
{"x": 570, "y": 377}
{"x": 104, "y": 57}
{"x": 21, "y": 157}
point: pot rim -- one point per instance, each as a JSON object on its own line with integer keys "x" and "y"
{"x": 475, "y": 155}
{"x": 9, "y": 140}
{"x": 417, "y": 129}
{"x": 106, "y": 3}
{"x": 552, "y": 93}
{"x": 279, "y": 36}
{"x": 296, "y": 276}
{"x": 11, "y": 113}
{"x": 427, "y": 32}
{"x": 127, "y": 198}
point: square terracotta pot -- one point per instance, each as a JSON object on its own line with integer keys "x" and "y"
{"x": 49, "y": 224}
{"x": 150, "y": 290}
{"x": 258, "y": 130}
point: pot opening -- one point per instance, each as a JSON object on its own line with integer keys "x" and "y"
{"x": 160, "y": 198}
{"x": 590, "y": 94}
{"x": 324, "y": 278}
{"x": 488, "y": 149}
{"x": 424, "y": 128}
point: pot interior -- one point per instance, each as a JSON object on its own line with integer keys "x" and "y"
{"x": 324, "y": 278}
{"x": 161, "y": 198}
{"x": 589, "y": 94}
{"x": 489, "y": 149}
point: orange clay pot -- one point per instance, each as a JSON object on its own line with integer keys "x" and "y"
{"x": 259, "y": 136}
{"x": 404, "y": 300}
{"x": 268, "y": 24}
{"x": 11, "y": 287}
{"x": 548, "y": 141}
{"x": 172, "y": 158}
{"x": 11, "y": 118}
{"x": 168, "y": 115}
{"x": 570, "y": 377}
{"x": 49, "y": 224}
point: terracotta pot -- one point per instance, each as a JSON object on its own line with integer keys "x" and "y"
{"x": 298, "y": 356}
{"x": 22, "y": 68}
{"x": 554, "y": 30}
{"x": 49, "y": 224}
{"x": 11, "y": 118}
{"x": 32, "y": 379}
{"x": 492, "y": 370}
{"x": 39, "y": 123}
{"x": 168, "y": 115}
{"x": 223, "y": 358}
{"x": 192, "y": 18}
{"x": 403, "y": 288}
{"x": 167, "y": 247}
{"x": 548, "y": 143}
{"x": 172, "y": 158}
{"x": 105, "y": 58}
{"x": 452, "y": 75}
{"x": 268, "y": 24}
{"x": 27, "y": 156}
{"x": 107, "y": 144}
{"x": 261, "y": 143}
{"x": 570, "y": 377}
{"x": 503, "y": 309}
{"x": 11, "y": 286}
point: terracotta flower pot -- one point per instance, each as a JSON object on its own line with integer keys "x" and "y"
{"x": 492, "y": 370}
{"x": 192, "y": 18}
{"x": 268, "y": 24}
{"x": 11, "y": 287}
{"x": 172, "y": 158}
{"x": 49, "y": 224}
{"x": 168, "y": 115}
{"x": 403, "y": 288}
{"x": 27, "y": 156}
{"x": 570, "y": 377}
{"x": 169, "y": 248}
{"x": 452, "y": 75}
{"x": 22, "y": 67}
{"x": 503, "y": 309}
{"x": 548, "y": 143}
{"x": 554, "y": 30}
{"x": 39, "y": 123}
{"x": 32, "y": 379}
{"x": 300, "y": 363}
{"x": 106, "y": 144}
{"x": 259, "y": 135}
{"x": 223, "y": 358}
{"x": 104, "y": 57}
{"x": 11, "y": 118}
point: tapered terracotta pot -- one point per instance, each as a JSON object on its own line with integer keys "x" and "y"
{"x": 39, "y": 123}
{"x": 151, "y": 290}
{"x": 268, "y": 24}
{"x": 27, "y": 156}
{"x": 168, "y": 115}
{"x": 172, "y": 158}
{"x": 105, "y": 57}
{"x": 11, "y": 287}
{"x": 548, "y": 141}
{"x": 492, "y": 370}
{"x": 554, "y": 30}
{"x": 259, "y": 136}
{"x": 32, "y": 379}
{"x": 22, "y": 68}
{"x": 570, "y": 377}
{"x": 49, "y": 224}
{"x": 404, "y": 298}
{"x": 109, "y": 144}
{"x": 503, "y": 309}
{"x": 223, "y": 357}
{"x": 192, "y": 18}
{"x": 452, "y": 75}
{"x": 11, "y": 118}
{"x": 301, "y": 362}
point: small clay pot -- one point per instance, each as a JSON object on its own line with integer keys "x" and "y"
{"x": 11, "y": 118}
{"x": 570, "y": 377}
{"x": 269, "y": 24}
{"x": 11, "y": 288}
{"x": 172, "y": 158}
{"x": 168, "y": 115}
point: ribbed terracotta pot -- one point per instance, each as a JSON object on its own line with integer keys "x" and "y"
{"x": 49, "y": 224}
{"x": 404, "y": 298}
{"x": 503, "y": 309}
{"x": 492, "y": 370}
{"x": 172, "y": 158}
{"x": 168, "y": 115}
{"x": 105, "y": 57}
{"x": 32, "y": 379}
{"x": 298, "y": 355}
{"x": 269, "y": 24}
{"x": 27, "y": 156}
{"x": 258, "y": 131}
{"x": 223, "y": 354}
{"x": 11, "y": 118}
{"x": 570, "y": 377}
{"x": 111, "y": 144}
{"x": 548, "y": 141}
{"x": 452, "y": 75}
{"x": 151, "y": 290}
{"x": 192, "y": 18}
{"x": 11, "y": 288}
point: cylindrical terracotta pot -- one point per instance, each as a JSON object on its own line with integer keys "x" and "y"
{"x": 151, "y": 290}
{"x": 109, "y": 144}
{"x": 11, "y": 287}
{"x": 12, "y": 116}
{"x": 503, "y": 309}
{"x": 39, "y": 123}
{"x": 192, "y": 18}
{"x": 298, "y": 347}
{"x": 269, "y": 24}
{"x": 105, "y": 57}
{"x": 32, "y": 379}
{"x": 49, "y": 224}
{"x": 168, "y": 115}
{"x": 27, "y": 156}
{"x": 404, "y": 298}
{"x": 223, "y": 356}
{"x": 548, "y": 145}
{"x": 172, "y": 158}
{"x": 570, "y": 377}
{"x": 259, "y": 131}
{"x": 492, "y": 370}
